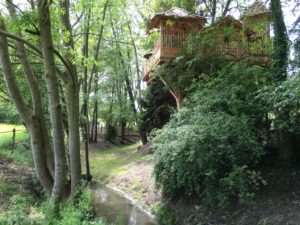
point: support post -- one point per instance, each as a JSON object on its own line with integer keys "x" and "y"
{"x": 13, "y": 139}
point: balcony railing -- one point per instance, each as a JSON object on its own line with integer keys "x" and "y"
{"x": 165, "y": 48}
{"x": 170, "y": 43}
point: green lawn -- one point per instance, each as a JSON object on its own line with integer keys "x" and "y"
{"x": 112, "y": 161}
{"x": 6, "y": 138}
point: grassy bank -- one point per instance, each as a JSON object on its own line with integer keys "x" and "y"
{"x": 112, "y": 161}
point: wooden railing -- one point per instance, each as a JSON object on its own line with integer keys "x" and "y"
{"x": 169, "y": 39}
{"x": 173, "y": 38}
{"x": 154, "y": 58}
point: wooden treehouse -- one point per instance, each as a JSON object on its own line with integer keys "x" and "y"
{"x": 247, "y": 38}
{"x": 173, "y": 28}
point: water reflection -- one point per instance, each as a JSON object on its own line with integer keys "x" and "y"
{"x": 113, "y": 208}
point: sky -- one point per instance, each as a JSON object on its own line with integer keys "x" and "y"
{"x": 288, "y": 6}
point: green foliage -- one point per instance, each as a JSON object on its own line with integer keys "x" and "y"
{"x": 282, "y": 104}
{"x": 165, "y": 215}
{"x": 157, "y": 105}
{"x": 210, "y": 147}
{"x": 77, "y": 210}
{"x": 6, "y": 188}
{"x": 8, "y": 113}
{"x": 111, "y": 132}
{"x": 21, "y": 155}
{"x": 281, "y": 46}
{"x": 19, "y": 211}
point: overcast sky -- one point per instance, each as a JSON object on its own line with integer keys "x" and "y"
{"x": 288, "y": 7}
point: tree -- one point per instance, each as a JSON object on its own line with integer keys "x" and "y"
{"x": 40, "y": 140}
{"x": 280, "y": 55}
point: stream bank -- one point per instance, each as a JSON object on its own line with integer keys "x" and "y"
{"x": 130, "y": 170}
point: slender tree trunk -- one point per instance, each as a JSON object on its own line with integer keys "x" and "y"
{"x": 54, "y": 101}
{"x": 97, "y": 50}
{"x": 129, "y": 87}
{"x": 138, "y": 86}
{"x": 85, "y": 101}
{"x": 32, "y": 124}
{"x": 123, "y": 129}
{"x": 72, "y": 99}
{"x": 96, "y": 122}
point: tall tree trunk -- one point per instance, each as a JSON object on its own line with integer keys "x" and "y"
{"x": 85, "y": 101}
{"x": 129, "y": 87}
{"x": 279, "y": 67}
{"x": 280, "y": 54}
{"x": 54, "y": 101}
{"x": 138, "y": 86}
{"x": 32, "y": 124}
{"x": 72, "y": 99}
{"x": 97, "y": 49}
{"x": 35, "y": 94}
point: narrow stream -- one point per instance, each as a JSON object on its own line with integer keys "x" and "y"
{"x": 113, "y": 208}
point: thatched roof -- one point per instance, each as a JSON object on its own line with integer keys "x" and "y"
{"x": 228, "y": 21}
{"x": 257, "y": 8}
{"x": 175, "y": 13}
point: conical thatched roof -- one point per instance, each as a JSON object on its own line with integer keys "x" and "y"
{"x": 174, "y": 13}
{"x": 257, "y": 8}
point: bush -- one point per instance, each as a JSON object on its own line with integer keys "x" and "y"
{"x": 208, "y": 155}
{"x": 76, "y": 210}
{"x": 211, "y": 147}
{"x": 165, "y": 215}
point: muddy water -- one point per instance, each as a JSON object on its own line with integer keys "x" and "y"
{"x": 115, "y": 209}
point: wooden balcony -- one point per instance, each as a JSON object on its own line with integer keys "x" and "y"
{"x": 170, "y": 43}
{"x": 166, "y": 48}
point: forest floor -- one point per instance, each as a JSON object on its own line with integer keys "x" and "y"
{"x": 14, "y": 179}
{"x": 130, "y": 169}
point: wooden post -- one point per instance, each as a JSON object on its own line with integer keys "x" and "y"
{"x": 14, "y": 139}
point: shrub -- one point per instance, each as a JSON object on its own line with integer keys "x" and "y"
{"x": 77, "y": 210}
{"x": 209, "y": 155}
{"x": 211, "y": 147}
{"x": 165, "y": 215}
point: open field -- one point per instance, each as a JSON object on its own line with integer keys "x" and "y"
{"x": 6, "y": 138}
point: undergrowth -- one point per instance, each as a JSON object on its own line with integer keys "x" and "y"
{"x": 25, "y": 211}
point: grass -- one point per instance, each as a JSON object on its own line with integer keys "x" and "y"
{"x": 21, "y": 153}
{"x": 6, "y": 138}
{"x": 6, "y": 188}
{"x": 113, "y": 161}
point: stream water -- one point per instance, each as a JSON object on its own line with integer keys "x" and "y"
{"x": 113, "y": 208}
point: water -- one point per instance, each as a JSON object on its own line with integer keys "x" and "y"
{"x": 115, "y": 209}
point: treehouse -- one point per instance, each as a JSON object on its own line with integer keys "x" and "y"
{"x": 248, "y": 38}
{"x": 173, "y": 28}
